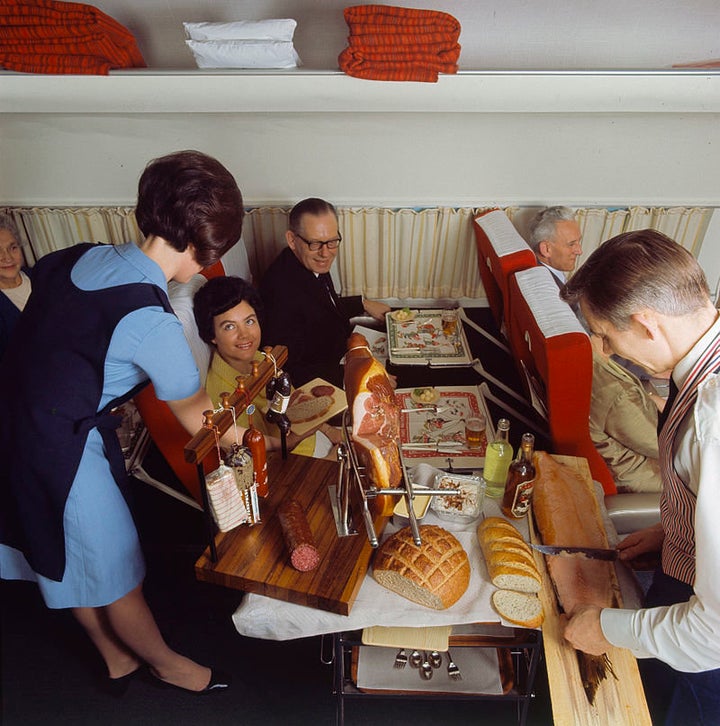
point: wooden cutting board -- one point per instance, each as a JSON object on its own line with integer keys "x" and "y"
{"x": 255, "y": 559}
{"x": 617, "y": 701}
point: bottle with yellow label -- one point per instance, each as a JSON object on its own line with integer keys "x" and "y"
{"x": 498, "y": 456}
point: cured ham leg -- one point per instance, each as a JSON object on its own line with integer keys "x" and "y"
{"x": 375, "y": 418}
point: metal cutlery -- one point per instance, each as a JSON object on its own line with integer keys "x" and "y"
{"x": 452, "y": 669}
{"x": 426, "y": 670}
{"x": 401, "y": 659}
{"x": 416, "y": 659}
{"x": 430, "y": 408}
{"x": 432, "y": 445}
{"x": 435, "y": 659}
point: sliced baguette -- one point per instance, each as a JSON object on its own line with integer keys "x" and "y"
{"x": 496, "y": 550}
{"x": 519, "y": 608}
{"x": 509, "y": 577}
{"x": 498, "y": 522}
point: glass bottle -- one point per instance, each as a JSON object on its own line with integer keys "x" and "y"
{"x": 498, "y": 456}
{"x": 520, "y": 481}
{"x": 255, "y": 441}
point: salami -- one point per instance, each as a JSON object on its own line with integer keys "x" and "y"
{"x": 304, "y": 555}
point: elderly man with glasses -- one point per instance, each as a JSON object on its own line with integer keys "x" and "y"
{"x": 302, "y": 309}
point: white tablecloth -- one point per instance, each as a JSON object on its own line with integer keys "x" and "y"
{"x": 259, "y": 616}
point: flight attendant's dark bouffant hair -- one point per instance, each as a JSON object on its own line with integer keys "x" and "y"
{"x": 190, "y": 198}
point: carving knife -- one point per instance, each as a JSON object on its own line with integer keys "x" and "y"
{"x": 588, "y": 552}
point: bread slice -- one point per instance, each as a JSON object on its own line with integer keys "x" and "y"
{"x": 497, "y": 522}
{"x": 509, "y": 547}
{"x": 436, "y": 574}
{"x": 512, "y": 577}
{"x": 309, "y": 409}
{"x": 519, "y": 608}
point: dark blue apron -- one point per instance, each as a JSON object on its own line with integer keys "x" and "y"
{"x": 51, "y": 382}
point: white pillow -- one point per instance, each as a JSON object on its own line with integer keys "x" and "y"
{"x": 279, "y": 29}
{"x": 244, "y": 53}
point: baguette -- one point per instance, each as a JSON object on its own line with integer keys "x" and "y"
{"x": 519, "y": 608}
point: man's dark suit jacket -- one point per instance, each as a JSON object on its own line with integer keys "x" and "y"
{"x": 300, "y": 314}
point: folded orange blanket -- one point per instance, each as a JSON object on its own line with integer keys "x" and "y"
{"x": 394, "y": 19}
{"x": 49, "y": 36}
{"x": 388, "y": 43}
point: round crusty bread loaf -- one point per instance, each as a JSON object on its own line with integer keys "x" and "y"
{"x": 519, "y": 608}
{"x": 435, "y": 574}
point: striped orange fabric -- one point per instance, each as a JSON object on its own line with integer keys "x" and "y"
{"x": 388, "y": 43}
{"x": 49, "y": 36}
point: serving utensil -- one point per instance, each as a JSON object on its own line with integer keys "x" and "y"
{"x": 590, "y": 553}
{"x": 435, "y": 659}
{"x": 452, "y": 669}
{"x": 426, "y": 670}
{"x": 416, "y": 659}
{"x": 401, "y": 659}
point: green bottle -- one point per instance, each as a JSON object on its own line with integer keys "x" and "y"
{"x": 498, "y": 457}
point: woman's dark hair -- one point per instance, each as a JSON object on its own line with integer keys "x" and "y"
{"x": 217, "y": 296}
{"x": 190, "y": 198}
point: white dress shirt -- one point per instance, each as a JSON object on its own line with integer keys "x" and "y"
{"x": 687, "y": 635}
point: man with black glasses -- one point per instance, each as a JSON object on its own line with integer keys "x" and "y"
{"x": 302, "y": 309}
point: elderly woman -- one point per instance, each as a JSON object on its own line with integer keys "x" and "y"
{"x": 98, "y": 327}
{"x": 14, "y": 279}
{"x": 227, "y": 312}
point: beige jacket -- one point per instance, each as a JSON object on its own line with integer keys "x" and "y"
{"x": 623, "y": 427}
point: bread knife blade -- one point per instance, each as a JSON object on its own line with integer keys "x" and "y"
{"x": 590, "y": 553}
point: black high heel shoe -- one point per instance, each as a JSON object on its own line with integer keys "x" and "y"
{"x": 219, "y": 681}
{"x": 118, "y": 687}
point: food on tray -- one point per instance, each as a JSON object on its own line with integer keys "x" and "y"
{"x": 308, "y": 408}
{"x": 427, "y": 395}
{"x": 567, "y": 513}
{"x": 375, "y": 418}
{"x": 402, "y": 316}
{"x": 435, "y": 574}
{"x": 509, "y": 561}
{"x": 466, "y": 504}
{"x": 520, "y": 608}
{"x": 322, "y": 390}
{"x": 304, "y": 555}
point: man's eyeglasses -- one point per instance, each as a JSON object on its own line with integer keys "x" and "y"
{"x": 314, "y": 246}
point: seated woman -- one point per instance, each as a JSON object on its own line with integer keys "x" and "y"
{"x": 623, "y": 424}
{"x": 14, "y": 279}
{"x": 227, "y": 313}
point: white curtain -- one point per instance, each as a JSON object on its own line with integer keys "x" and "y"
{"x": 385, "y": 253}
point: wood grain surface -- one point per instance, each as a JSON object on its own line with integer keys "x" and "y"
{"x": 255, "y": 559}
{"x": 618, "y": 700}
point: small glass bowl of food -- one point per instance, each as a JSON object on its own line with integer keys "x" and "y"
{"x": 425, "y": 396}
{"x": 403, "y": 315}
{"x": 463, "y": 506}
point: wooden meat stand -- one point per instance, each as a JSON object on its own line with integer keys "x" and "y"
{"x": 254, "y": 558}
{"x": 618, "y": 700}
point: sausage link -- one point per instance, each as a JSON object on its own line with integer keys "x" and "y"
{"x": 304, "y": 555}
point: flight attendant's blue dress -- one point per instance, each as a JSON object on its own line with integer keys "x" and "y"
{"x": 102, "y": 556}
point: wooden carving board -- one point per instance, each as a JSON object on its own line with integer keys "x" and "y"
{"x": 617, "y": 701}
{"x": 255, "y": 559}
